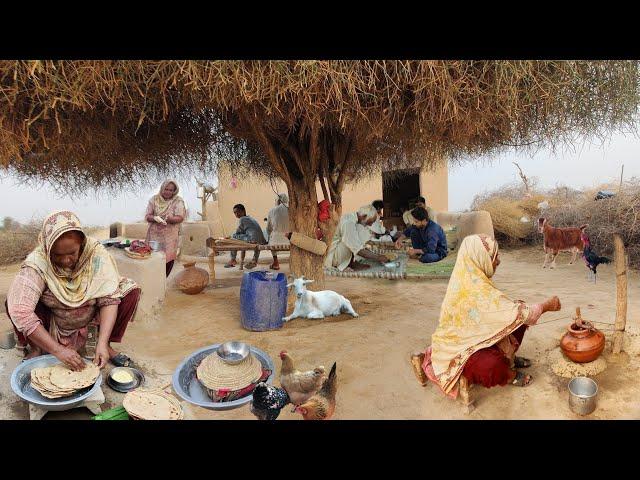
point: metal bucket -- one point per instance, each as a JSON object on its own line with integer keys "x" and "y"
{"x": 582, "y": 395}
{"x": 7, "y": 340}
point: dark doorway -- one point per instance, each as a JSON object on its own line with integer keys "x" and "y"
{"x": 399, "y": 189}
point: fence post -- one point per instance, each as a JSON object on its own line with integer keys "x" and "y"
{"x": 621, "y": 293}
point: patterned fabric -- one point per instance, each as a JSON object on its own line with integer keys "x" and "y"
{"x": 474, "y": 313}
{"x": 95, "y": 275}
{"x": 225, "y": 395}
{"x": 168, "y": 235}
{"x": 73, "y": 297}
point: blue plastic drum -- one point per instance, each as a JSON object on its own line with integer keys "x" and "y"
{"x": 263, "y": 301}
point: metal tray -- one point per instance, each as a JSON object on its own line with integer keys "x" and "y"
{"x": 189, "y": 388}
{"x": 138, "y": 380}
{"x": 21, "y": 385}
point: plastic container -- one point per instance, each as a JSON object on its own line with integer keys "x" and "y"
{"x": 263, "y": 301}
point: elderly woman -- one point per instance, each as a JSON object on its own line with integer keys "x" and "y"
{"x": 165, "y": 212}
{"x": 66, "y": 285}
{"x": 480, "y": 328}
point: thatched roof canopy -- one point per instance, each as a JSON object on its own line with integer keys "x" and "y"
{"x": 86, "y": 123}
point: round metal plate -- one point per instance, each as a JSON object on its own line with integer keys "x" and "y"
{"x": 189, "y": 388}
{"x": 137, "y": 375}
{"x": 21, "y": 385}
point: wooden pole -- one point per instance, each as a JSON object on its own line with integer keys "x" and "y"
{"x": 621, "y": 293}
{"x": 621, "y": 173}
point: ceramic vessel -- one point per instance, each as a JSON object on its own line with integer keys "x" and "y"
{"x": 582, "y": 344}
{"x": 192, "y": 280}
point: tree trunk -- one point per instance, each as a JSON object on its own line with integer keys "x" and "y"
{"x": 303, "y": 218}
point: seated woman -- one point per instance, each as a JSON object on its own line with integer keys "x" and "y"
{"x": 428, "y": 240}
{"x": 480, "y": 329}
{"x": 66, "y": 284}
{"x": 165, "y": 212}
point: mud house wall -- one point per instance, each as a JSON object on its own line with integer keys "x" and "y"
{"x": 258, "y": 196}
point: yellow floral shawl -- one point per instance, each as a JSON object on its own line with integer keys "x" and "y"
{"x": 96, "y": 274}
{"x": 474, "y": 313}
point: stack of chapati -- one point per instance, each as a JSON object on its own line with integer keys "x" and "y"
{"x": 152, "y": 404}
{"x": 218, "y": 376}
{"x": 60, "y": 381}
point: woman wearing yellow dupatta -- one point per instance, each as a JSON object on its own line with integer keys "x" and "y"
{"x": 480, "y": 328}
{"x": 165, "y": 212}
{"x": 67, "y": 283}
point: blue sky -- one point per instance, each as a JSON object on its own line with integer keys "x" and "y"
{"x": 586, "y": 166}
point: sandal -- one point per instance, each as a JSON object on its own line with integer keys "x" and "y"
{"x": 230, "y": 265}
{"x": 250, "y": 265}
{"x": 121, "y": 360}
{"x": 416, "y": 363}
{"x": 274, "y": 267}
{"x": 522, "y": 380}
{"x": 521, "y": 362}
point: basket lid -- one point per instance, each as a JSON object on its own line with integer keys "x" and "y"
{"x": 215, "y": 374}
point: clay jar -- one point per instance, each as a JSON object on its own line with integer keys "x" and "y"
{"x": 582, "y": 345}
{"x": 192, "y": 279}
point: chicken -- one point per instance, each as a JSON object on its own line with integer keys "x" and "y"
{"x": 591, "y": 258}
{"x": 299, "y": 385}
{"x": 268, "y": 401}
{"x": 322, "y": 405}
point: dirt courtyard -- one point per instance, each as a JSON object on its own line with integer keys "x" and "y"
{"x": 375, "y": 380}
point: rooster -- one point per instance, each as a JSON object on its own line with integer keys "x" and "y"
{"x": 268, "y": 401}
{"x": 322, "y": 405}
{"x": 591, "y": 258}
{"x": 299, "y": 385}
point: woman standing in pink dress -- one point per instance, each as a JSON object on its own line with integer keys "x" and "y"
{"x": 165, "y": 212}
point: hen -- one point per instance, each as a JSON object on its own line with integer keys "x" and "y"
{"x": 268, "y": 401}
{"x": 321, "y": 405}
{"x": 299, "y": 385}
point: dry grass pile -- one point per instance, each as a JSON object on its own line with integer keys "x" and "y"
{"x": 568, "y": 207}
{"x": 17, "y": 241}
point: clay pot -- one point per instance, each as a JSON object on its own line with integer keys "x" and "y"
{"x": 192, "y": 279}
{"x": 582, "y": 345}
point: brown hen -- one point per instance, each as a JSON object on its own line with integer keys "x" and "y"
{"x": 322, "y": 405}
{"x": 299, "y": 385}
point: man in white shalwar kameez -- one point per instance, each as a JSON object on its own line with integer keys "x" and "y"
{"x": 278, "y": 226}
{"x": 349, "y": 241}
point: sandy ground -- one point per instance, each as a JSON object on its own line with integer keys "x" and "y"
{"x": 372, "y": 352}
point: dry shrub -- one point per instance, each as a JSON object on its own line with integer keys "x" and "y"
{"x": 606, "y": 217}
{"x": 568, "y": 207}
{"x": 18, "y": 241}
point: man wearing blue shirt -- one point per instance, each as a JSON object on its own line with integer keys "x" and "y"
{"x": 427, "y": 238}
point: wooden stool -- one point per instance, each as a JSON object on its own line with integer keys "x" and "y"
{"x": 468, "y": 401}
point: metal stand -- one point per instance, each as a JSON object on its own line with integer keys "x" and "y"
{"x": 92, "y": 403}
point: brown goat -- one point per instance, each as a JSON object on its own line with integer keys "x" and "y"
{"x": 560, "y": 239}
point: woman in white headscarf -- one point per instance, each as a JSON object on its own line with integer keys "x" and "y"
{"x": 278, "y": 226}
{"x": 165, "y": 212}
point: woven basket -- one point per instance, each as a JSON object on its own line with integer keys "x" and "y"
{"x": 217, "y": 376}
{"x": 309, "y": 244}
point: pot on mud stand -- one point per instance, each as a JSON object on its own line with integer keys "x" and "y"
{"x": 583, "y": 342}
{"x": 192, "y": 279}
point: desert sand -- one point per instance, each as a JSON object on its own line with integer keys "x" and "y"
{"x": 372, "y": 352}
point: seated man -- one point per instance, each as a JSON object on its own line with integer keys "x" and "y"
{"x": 249, "y": 231}
{"x": 427, "y": 238}
{"x": 349, "y": 239}
{"x": 406, "y": 216}
{"x": 377, "y": 228}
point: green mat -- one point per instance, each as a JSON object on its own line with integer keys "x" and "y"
{"x": 441, "y": 269}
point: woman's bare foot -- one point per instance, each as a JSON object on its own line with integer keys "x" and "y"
{"x": 416, "y": 362}
{"x": 35, "y": 352}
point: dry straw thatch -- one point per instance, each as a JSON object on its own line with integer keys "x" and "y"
{"x": 102, "y": 123}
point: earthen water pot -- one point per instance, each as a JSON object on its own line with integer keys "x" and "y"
{"x": 582, "y": 344}
{"x": 192, "y": 279}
